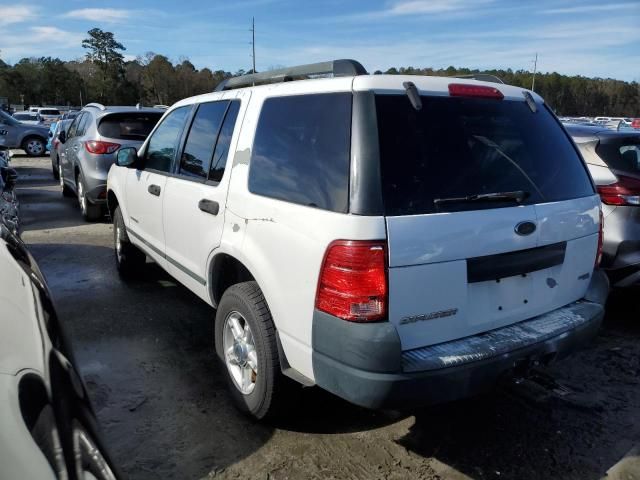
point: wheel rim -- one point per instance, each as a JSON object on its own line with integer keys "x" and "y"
{"x": 240, "y": 353}
{"x": 81, "y": 199}
{"x": 118, "y": 244}
{"x": 34, "y": 147}
{"x": 90, "y": 463}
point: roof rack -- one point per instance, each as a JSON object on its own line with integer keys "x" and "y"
{"x": 483, "y": 77}
{"x": 337, "y": 68}
{"x": 161, "y": 106}
{"x": 99, "y": 106}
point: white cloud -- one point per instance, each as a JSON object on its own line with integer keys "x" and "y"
{"x": 419, "y": 7}
{"x": 593, "y": 8}
{"x": 9, "y": 15}
{"x": 40, "y": 41}
{"x": 108, "y": 15}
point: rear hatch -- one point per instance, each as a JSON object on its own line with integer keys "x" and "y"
{"x": 124, "y": 129}
{"x": 491, "y": 215}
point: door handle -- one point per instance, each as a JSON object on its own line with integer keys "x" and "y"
{"x": 209, "y": 206}
{"x": 154, "y": 190}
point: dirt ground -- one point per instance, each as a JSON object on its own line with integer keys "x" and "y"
{"x": 145, "y": 350}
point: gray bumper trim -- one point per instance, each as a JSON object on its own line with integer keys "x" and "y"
{"x": 501, "y": 340}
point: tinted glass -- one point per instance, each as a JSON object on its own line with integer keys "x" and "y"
{"x": 49, "y": 112}
{"x": 301, "y": 150}
{"x": 74, "y": 126}
{"x": 128, "y": 126}
{"x": 224, "y": 141}
{"x": 621, "y": 155}
{"x": 458, "y": 147}
{"x": 83, "y": 124}
{"x": 164, "y": 141}
{"x": 24, "y": 116}
{"x": 198, "y": 149}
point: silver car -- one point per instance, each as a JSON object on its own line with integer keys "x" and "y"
{"x": 89, "y": 149}
{"x": 613, "y": 159}
{"x": 31, "y": 138}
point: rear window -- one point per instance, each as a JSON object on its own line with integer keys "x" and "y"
{"x": 459, "y": 147}
{"x": 621, "y": 155}
{"x": 301, "y": 150}
{"x": 49, "y": 112}
{"x": 128, "y": 126}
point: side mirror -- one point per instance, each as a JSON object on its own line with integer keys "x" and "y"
{"x": 62, "y": 136}
{"x": 9, "y": 176}
{"x": 127, "y": 157}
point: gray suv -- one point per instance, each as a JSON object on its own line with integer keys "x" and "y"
{"x": 90, "y": 145}
{"x": 30, "y": 138}
{"x": 613, "y": 159}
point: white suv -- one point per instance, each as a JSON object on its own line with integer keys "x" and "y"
{"x": 396, "y": 240}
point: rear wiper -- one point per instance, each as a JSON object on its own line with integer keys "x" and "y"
{"x": 517, "y": 196}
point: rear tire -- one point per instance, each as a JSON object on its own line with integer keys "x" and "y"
{"x": 90, "y": 212}
{"x": 129, "y": 258}
{"x": 268, "y": 394}
{"x": 34, "y": 146}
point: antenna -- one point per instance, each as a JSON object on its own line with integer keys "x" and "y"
{"x": 253, "y": 43}
{"x": 535, "y": 66}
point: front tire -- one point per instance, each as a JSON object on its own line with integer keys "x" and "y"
{"x": 34, "y": 146}
{"x": 245, "y": 338}
{"x": 90, "y": 212}
{"x": 129, "y": 258}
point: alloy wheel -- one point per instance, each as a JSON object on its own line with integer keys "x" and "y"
{"x": 240, "y": 355}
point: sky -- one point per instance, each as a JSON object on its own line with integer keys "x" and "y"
{"x": 574, "y": 37}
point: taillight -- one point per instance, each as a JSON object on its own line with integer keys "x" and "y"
{"x": 100, "y": 148}
{"x": 636, "y": 123}
{"x": 55, "y": 143}
{"x": 353, "y": 281}
{"x": 600, "y": 240}
{"x": 626, "y": 191}
{"x": 479, "y": 91}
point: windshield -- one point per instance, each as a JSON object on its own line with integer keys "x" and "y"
{"x": 463, "y": 149}
{"x": 128, "y": 126}
{"x": 7, "y": 119}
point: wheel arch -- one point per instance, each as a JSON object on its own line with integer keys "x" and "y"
{"x": 224, "y": 271}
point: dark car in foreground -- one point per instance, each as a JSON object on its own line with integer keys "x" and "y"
{"x": 47, "y": 427}
{"x": 613, "y": 158}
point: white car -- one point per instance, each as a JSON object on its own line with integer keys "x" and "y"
{"x": 47, "y": 427}
{"x": 396, "y": 240}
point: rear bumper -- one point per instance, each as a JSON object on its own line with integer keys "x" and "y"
{"x": 367, "y": 367}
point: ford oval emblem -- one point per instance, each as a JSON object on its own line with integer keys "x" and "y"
{"x": 525, "y": 228}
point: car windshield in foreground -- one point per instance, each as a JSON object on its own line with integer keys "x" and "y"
{"x": 128, "y": 126}
{"x": 622, "y": 155}
{"x": 459, "y": 154}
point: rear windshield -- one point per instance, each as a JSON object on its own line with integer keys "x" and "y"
{"x": 128, "y": 126}
{"x": 622, "y": 155}
{"x": 454, "y": 148}
{"x": 49, "y": 112}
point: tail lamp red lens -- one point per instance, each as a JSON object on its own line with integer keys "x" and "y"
{"x": 478, "y": 91}
{"x": 626, "y": 191}
{"x": 100, "y": 148}
{"x": 353, "y": 281}
{"x": 600, "y": 240}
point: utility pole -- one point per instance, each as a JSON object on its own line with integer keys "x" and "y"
{"x": 535, "y": 66}
{"x": 253, "y": 42}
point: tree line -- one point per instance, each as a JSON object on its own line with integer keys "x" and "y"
{"x": 104, "y": 76}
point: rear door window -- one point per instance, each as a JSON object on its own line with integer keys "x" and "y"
{"x": 201, "y": 141}
{"x": 455, "y": 148}
{"x": 301, "y": 150}
{"x": 128, "y": 126}
{"x": 224, "y": 141}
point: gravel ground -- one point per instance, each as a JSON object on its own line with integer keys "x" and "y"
{"x": 145, "y": 350}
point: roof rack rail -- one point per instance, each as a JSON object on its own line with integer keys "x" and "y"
{"x": 483, "y": 77}
{"x": 337, "y": 68}
{"x": 99, "y": 106}
{"x": 161, "y": 106}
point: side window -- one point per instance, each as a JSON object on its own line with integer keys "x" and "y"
{"x": 164, "y": 141}
{"x": 201, "y": 141}
{"x": 224, "y": 141}
{"x": 301, "y": 150}
{"x": 84, "y": 124}
{"x": 74, "y": 126}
